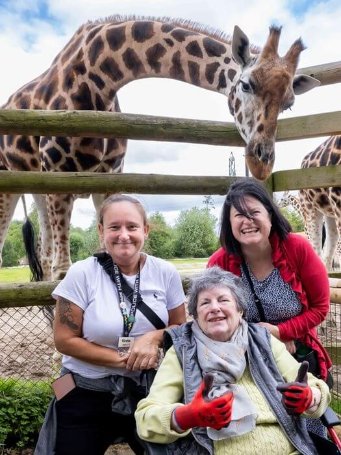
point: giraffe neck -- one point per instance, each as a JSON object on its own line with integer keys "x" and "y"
{"x": 103, "y": 57}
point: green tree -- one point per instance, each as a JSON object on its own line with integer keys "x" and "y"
{"x": 195, "y": 233}
{"x": 76, "y": 245}
{"x": 294, "y": 218}
{"x": 13, "y": 249}
{"x": 160, "y": 240}
{"x": 9, "y": 256}
{"x": 91, "y": 240}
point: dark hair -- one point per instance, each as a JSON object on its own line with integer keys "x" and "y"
{"x": 216, "y": 277}
{"x": 236, "y": 197}
{"x": 114, "y": 198}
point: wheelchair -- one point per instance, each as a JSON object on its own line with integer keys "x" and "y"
{"x": 330, "y": 446}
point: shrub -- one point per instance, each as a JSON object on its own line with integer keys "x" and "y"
{"x": 22, "y": 408}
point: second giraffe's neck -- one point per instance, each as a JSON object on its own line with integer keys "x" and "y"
{"x": 115, "y": 54}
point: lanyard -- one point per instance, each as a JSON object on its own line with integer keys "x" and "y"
{"x": 128, "y": 320}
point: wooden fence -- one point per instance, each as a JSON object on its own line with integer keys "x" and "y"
{"x": 107, "y": 124}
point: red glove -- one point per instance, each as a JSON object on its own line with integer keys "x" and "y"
{"x": 203, "y": 413}
{"x": 297, "y": 396}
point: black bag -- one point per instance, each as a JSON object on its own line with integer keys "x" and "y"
{"x": 304, "y": 352}
{"x": 127, "y": 393}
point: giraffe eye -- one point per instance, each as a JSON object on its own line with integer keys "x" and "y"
{"x": 246, "y": 87}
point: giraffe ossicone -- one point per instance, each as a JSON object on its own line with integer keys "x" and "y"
{"x": 103, "y": 56}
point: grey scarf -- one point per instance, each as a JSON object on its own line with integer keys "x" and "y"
{"x": 226, "y": 359}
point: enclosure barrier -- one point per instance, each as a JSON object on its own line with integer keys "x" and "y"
{"x": 20, "y": 304}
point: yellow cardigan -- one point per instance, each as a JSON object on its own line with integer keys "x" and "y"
{"x": 153, "y": 414}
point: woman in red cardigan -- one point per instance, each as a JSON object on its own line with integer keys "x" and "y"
{"x": 287, "y": 276}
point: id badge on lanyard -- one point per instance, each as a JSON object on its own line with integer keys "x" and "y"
{"x": 125, "y": 342}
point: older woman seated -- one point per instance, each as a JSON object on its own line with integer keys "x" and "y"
{"x": 226, "y": 386}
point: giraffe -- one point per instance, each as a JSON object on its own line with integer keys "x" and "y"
{"x": 323, "y": 204}
{"x": 289, "y": 199}
{"x": 106, "y": 54}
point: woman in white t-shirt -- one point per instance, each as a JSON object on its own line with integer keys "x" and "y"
{"x": 111, "y": 312}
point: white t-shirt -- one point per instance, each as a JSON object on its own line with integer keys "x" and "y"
{"x": 87, "y": 285}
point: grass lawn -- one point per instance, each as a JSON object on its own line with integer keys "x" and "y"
{"x": 22, "y": 274}
{"x": 14, "y": 275}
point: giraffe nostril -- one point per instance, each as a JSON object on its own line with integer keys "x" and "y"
{"x": 258, "y": 151}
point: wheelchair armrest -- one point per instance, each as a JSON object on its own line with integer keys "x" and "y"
{"x": 330, "y": 418}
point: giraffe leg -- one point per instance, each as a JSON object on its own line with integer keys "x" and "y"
{"x": 313, "y": 221}
{"x": 45, "y": 240}
{"x": 8, "y": 203}
{"x": 331, "y": 241}
{"x": 59, "y": 207}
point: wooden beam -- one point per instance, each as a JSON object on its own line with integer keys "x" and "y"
{"x": 152, "y": 128}
{"x": 328, "y": 73}
{"x": 92, "y": 182}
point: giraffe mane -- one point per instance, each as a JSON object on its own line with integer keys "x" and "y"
{"x": 186, "y": 23}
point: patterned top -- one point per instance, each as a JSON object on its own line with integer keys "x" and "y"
{"x": 278, "y": 299}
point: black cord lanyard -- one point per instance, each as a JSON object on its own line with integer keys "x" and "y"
{"x": 128, "y": 320}
{"x": 255, "y": 296}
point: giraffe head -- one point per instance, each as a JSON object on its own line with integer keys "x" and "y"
{"x": 266, "y": 86}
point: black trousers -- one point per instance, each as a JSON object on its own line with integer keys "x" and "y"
{"x": 87, "y": 426}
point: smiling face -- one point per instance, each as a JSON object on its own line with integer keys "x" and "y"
{"x": 123, "y": 232}
{"x": 252, "y": 230}
{"x": 217, "y": 313}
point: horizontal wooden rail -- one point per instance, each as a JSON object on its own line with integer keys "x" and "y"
{"x": 328, "y": 73}
{"x": 91, "y": 182}
{"x": 36, "y": 294}
{"x": 147, "y": 127}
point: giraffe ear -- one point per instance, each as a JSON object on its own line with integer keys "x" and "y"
{"x": 303, "y": 83}
{"x": 240, "y": 47}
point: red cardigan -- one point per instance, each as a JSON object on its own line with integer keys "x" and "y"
{"x": 301, "y": 267}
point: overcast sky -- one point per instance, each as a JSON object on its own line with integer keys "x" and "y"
{"x": 32, "y": 32}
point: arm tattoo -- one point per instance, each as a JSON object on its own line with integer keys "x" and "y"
{"x": 65, "y": 314}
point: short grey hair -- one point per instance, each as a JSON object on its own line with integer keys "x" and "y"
{"x": 211, "y": 278}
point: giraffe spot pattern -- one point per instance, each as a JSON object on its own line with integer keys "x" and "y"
{"x": 176, "y": 71}
{"x": 54, "y": 154}
{"x": 154, "y": 54}
{"x": 90, "y": 35}
{"x": 133, "y": 62}
{"x": 58, "y": 103}
{"x": 222, "y": 80}
{"x": 17, "y": 163}
{"x": 24, "y": 103}
{"x": 86, "y": 160}
{"x": 82, "y": 98}
{"x": 64, "y": 144}
{"x": 212, "y": 48}
{"x": 194, "y": 49}
{"x": 68, "y": 78}
{"x": 99, "y": 104}
{"x": 169, "y": 42}
{"x": 111, "y": 69}
{"x": 194, "y": 69}
{"x": 166, "y": 28}
{"x": 231, "y": 74}
{"x": 24, "y": 144}
{"x": 142, "y": 31}
{"x": 210, "y": 71}
{"x": 69, "y": 165}
{"x": 99, "y": 82}
{"x": 116, "y": 37}
{"x": 180, "y": 35}
{"x": 338, "y": 142}
{"x": 66, "y": 56}
{"x": 47, "y": 91}
{"x": 95, "y": 50}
